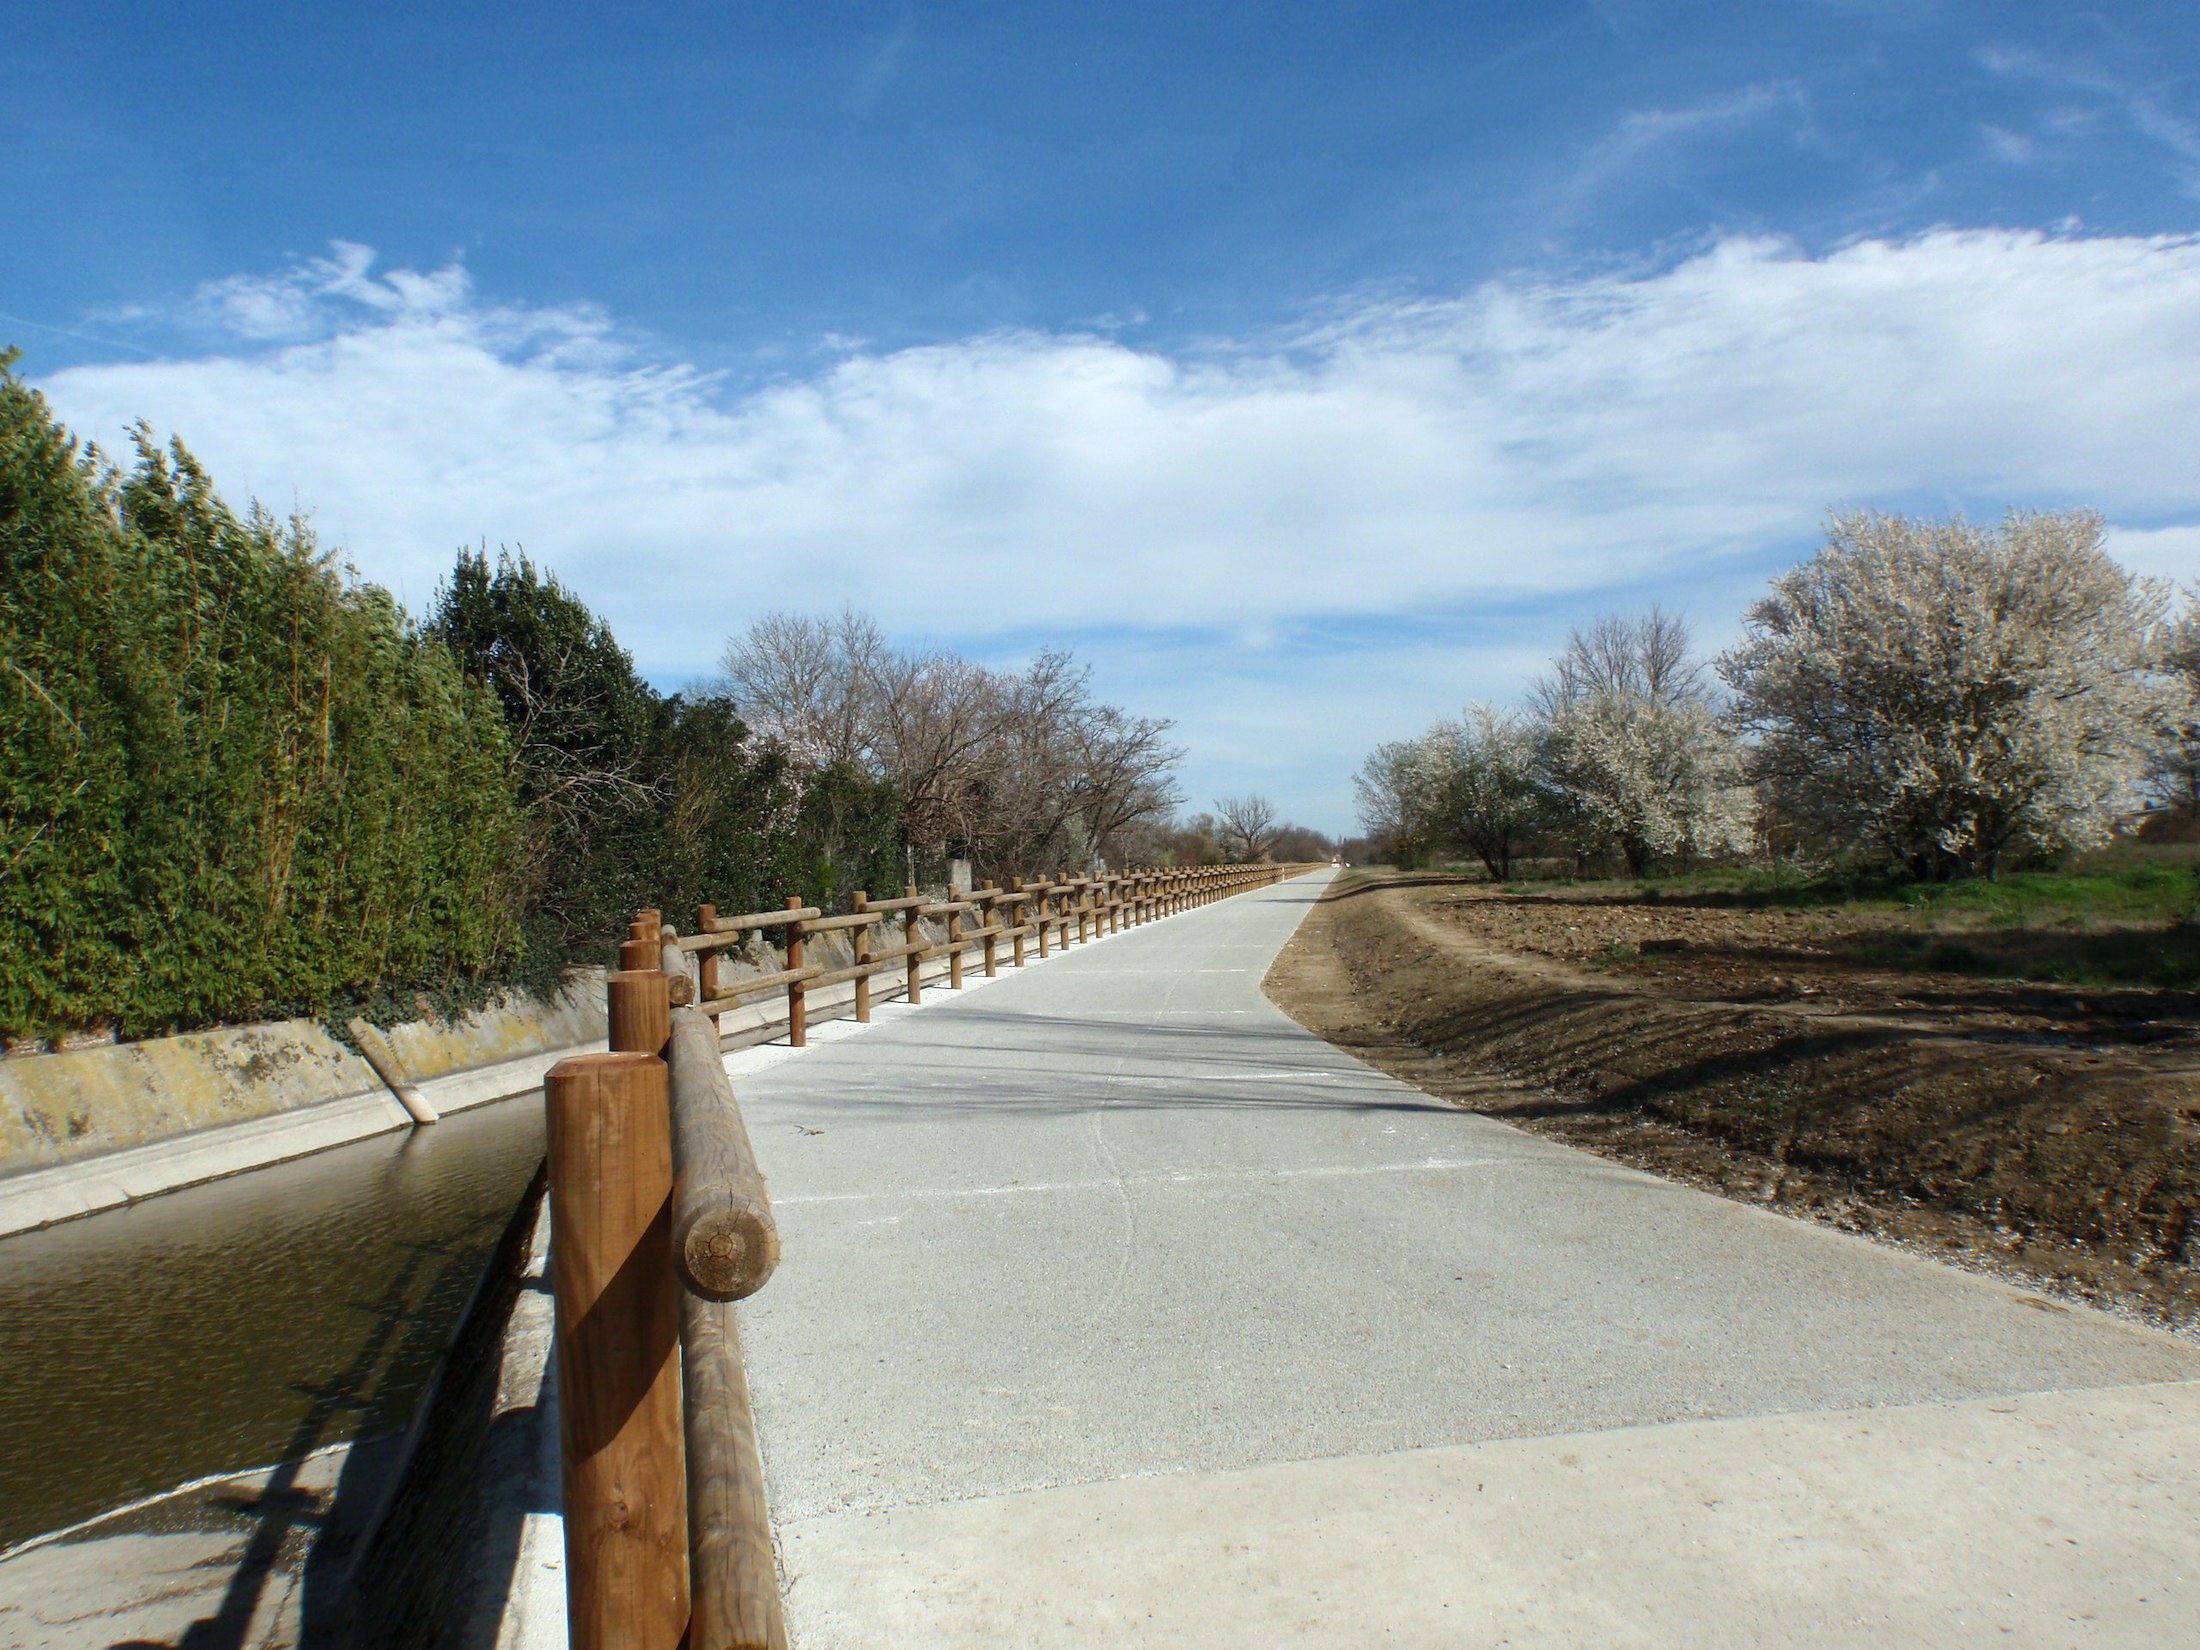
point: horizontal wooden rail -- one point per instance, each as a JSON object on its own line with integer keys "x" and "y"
{"x": 734, "y": 1572}
{"x": 730, "y": 995}
{"x": 764, "y": 919}
{"x": 724, "y": 1239}
{"x": 854, "y": 919}
{"x": 908, "y": 904}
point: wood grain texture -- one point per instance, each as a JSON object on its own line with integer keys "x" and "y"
{"x": 724, "y": 1239}
{"x": 641, "y": 1010}
{"x": 736, "y": 1572}
{"x": 618, "y": 1326}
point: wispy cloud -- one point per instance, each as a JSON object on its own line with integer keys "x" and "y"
{"x": 2143, "y": 109}
{"x": 881, "y": 60}
{"x": 1262, "y": 528}
{"x": 1651, "y": 138}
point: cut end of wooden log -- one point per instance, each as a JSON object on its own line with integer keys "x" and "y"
{"x": 727, "y": 1252}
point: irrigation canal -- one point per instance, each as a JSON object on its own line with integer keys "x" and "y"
{"x": 247, "y": 1321}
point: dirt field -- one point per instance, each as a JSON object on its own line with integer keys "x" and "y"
{"x": 2035, "y": 1129}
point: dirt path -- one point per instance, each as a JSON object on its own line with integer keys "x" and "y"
{"x": 2019, "y": 1130}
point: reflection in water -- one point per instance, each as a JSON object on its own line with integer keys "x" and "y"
{"x": 204, "y": 1331}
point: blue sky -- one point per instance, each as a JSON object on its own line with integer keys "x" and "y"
{"x": 1309, "y": 368}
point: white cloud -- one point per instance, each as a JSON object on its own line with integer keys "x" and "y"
{"x": 1516, "y": 444}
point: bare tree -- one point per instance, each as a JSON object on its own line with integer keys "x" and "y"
{"x": 811, "y": 683}
{"x": 1016, "y": 769}
{"x": 938, "y": 719}
{"x": 1249, "y": 826}
{"x": 1126, "y": 768}
{"x": 1645, "y": 656}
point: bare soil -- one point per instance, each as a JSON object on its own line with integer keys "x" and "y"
{"x": 2045, "y": 1132}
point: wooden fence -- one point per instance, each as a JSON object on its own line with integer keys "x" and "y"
{"x": 660, "y": 1221}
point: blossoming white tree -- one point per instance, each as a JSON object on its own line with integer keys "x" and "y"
{"x": 1632, "y": 756}
{"x": 1951, "y": 694}
{"x": 1652, "y": 778}
{"x": 1397, "y": 788}
{"x": 1483, "y": 784}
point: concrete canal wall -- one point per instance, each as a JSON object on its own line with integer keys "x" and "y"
{"x": 94, "y": 1128}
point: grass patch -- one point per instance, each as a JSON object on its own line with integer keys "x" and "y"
{"x": 2127, "y": 916}
{"x": 2142, "y": 891}
{"x": 2159, "y": 958}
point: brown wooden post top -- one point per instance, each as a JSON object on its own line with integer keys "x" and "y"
{"x": 640, "y": 1003}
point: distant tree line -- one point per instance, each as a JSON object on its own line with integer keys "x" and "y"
{"x": 237, "y": 781}
{"x": 1936, "y": 697}
{"x": 1240, "y": 830}
{"x": 1010, "y": 771}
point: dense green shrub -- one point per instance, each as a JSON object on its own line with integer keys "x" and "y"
{"x": 737, "y": 826}
{"x": 234, "y": 781}
{"x": 231, "y": 780}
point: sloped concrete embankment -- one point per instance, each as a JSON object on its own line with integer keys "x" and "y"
{"x": 94, "y": 1128}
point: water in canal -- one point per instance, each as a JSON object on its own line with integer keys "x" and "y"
{"x": 247, "y": 1321}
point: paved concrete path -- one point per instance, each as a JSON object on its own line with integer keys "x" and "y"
{"x": 1117, "y": 1309}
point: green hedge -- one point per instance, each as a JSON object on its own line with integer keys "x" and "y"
{"x": 232, "y": 781}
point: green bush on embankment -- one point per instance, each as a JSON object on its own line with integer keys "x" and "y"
{"x": 232, "y": 780}
{"x": 235, "y": 782}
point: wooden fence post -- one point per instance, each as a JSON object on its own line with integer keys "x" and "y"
{"x": 991, "y": 922}
{"x": 1022, "y": 907}
{"x": 706, "y": 965}
{"x": 798, "y": 1002}
{"x": 618, "y": 1325}
{"x": 641, "y": 1010}
{"x": 862, "y": 902}
{"x": 954, "y": 949}
{"x": 911, "y": 936}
